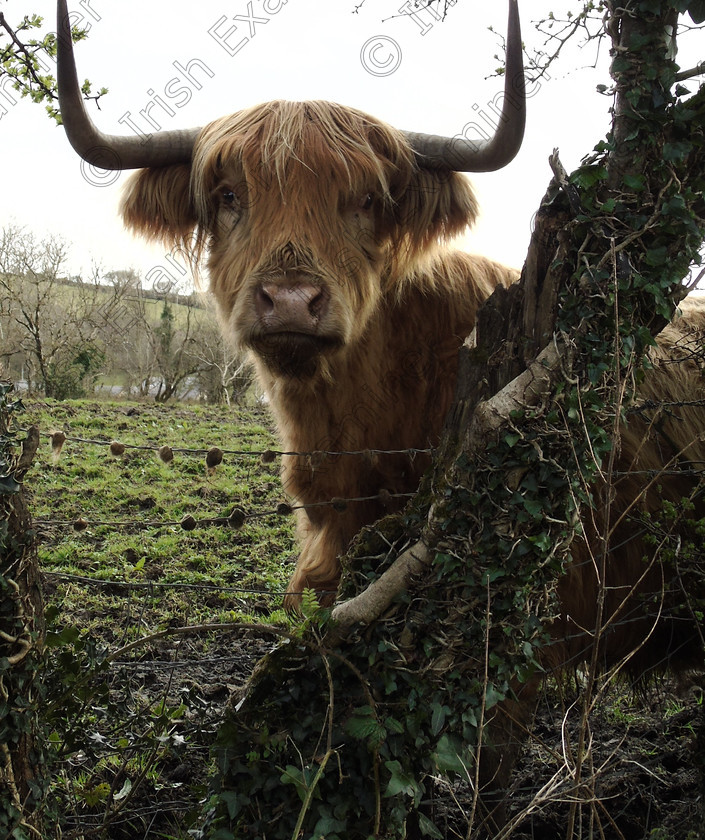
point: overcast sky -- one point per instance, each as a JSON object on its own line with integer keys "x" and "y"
{"x": 198, "y": 61}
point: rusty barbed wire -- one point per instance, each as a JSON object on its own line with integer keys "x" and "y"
{"x": 107, "y": 583}
{"x": 236, "y": 519}
{"x": 267, "y": 455}
{"x": 166, "y": 452}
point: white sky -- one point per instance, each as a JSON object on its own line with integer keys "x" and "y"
{"x": 308, "y": 49}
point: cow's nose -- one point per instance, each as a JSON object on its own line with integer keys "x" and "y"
{"x": 294, "y": 307}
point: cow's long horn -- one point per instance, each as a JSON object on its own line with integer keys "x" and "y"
{"x": 464, "y": 155}
{"x": 104, "y": 150}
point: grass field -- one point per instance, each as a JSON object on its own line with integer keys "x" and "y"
{"x": 132, "y": 740}
{"x": 88, "y": 482}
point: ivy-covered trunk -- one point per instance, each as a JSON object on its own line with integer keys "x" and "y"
{"x": 426, "y": 679}
{"x": 23, "y": 776}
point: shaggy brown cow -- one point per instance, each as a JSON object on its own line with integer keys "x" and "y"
{"x": 322, "y": 237}
{"x": 323, "y": 229}
{"x": 325, "y": 233}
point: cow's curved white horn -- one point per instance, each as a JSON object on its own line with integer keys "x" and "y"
{"x": 466, "y": 155}
{"x": 104, "y": 150}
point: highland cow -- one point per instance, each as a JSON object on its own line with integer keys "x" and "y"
{"x": 326, "y": 234}
{"x": 322, "y": 235}
{"x": 324, "y": 230}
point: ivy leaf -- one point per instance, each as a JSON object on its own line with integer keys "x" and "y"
{"x": 400, "y": 782}
{"x": 492, "y": 697}
{"x": 428, "y": 828}
{"x": 676, "y": 151}
{"x": 620, "y": 64}
{"x": 438, "y": 718}
{"x": 492, "y": 575}
{"x": 675, "y": 206}
{"x": 300, "y": 779}
{"x": 328, "y": 825}
{"x": 657, "y": 256}
{"x": 447, "y": 759}
{"x": 634, "y": 182}
{"x": 696, "y": 10}
{"x": 69, "y": 635}
{"x": 8, "y": 485}
{"x": 470, "y": 717}
{"x": 587, "y": 176}
{"x": 534, "y": 507}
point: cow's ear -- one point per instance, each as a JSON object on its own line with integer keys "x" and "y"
{"x": 436, "y": 205}
{"x": 156, "y": 203}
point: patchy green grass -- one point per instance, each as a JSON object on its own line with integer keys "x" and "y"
{"x": 131, "y": 728}
{"x": 133, "y": 503}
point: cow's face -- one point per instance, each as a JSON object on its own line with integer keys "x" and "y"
{"x": 310, "y": 214}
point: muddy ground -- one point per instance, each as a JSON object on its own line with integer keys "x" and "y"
{"x": 644, "y": 778}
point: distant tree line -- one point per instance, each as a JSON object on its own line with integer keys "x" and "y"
{"x": 68, "y": 337}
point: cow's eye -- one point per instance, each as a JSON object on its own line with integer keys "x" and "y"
{"x": 229, "y": 198}
{"x": 367, "y": 202}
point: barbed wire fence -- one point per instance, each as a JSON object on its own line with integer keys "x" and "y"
{"x": 238, "y": 516}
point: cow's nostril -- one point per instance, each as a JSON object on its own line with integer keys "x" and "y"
{"x": 315, "y": 306}
{"x": 264, "y": 302}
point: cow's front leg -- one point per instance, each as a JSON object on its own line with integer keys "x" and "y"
{"x": 323, "y": 537}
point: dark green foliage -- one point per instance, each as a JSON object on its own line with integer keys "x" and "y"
{"x": 406, "y": 698}
{"x": 74, "y": 374}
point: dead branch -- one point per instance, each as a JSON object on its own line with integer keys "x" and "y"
{"x": 371, "y": 604}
